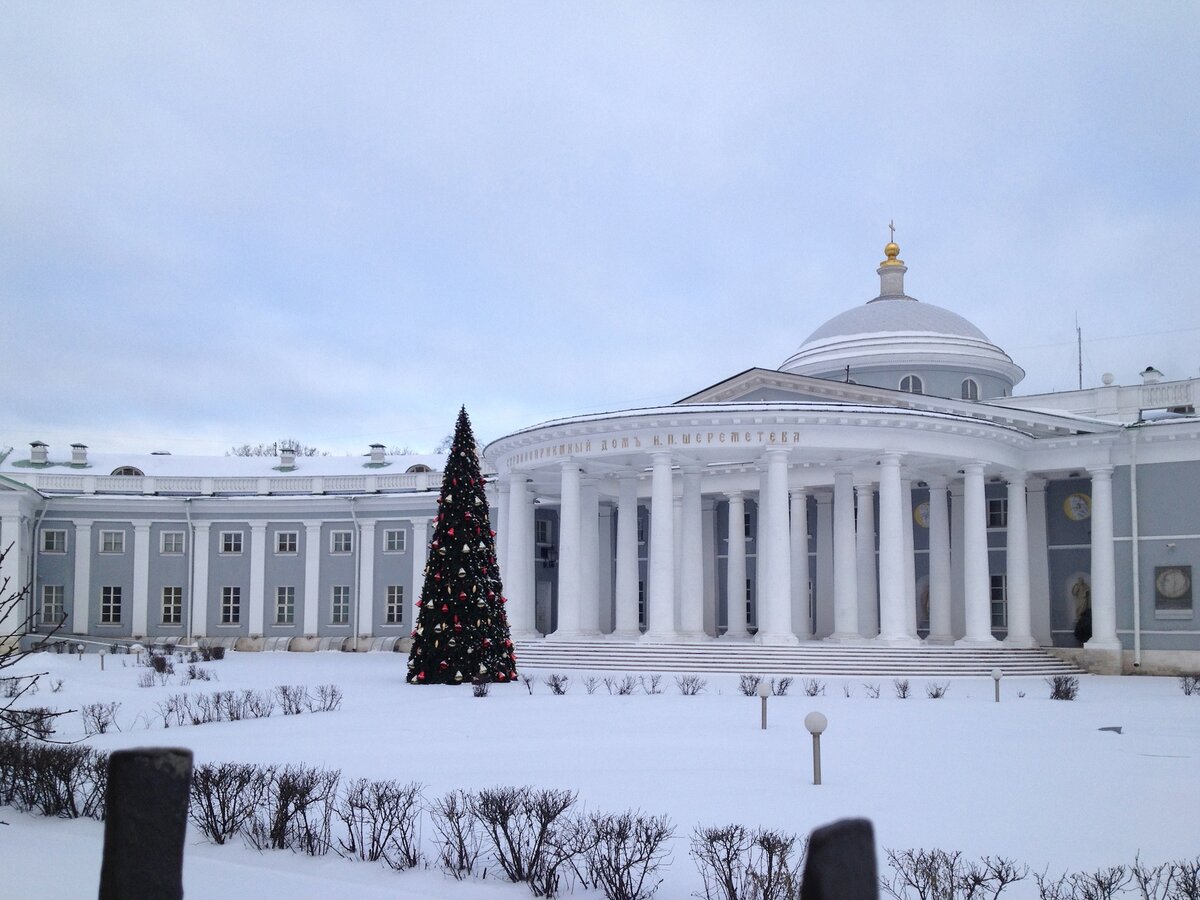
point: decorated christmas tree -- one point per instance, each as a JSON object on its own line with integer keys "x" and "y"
{"x": 462, "y": 631}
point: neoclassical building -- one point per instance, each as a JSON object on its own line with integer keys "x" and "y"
{"x": 882, "y": 485}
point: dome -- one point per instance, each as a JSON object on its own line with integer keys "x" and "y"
{"x": 897, "y": 333}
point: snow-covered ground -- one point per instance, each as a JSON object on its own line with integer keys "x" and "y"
{"x": 1028, "y": 778}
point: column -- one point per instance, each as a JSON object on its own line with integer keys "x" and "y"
{"x": 626, "y": 627}
{"x": 735, "y": 569}
{"x": 499, "y": 520}
{"x": 956, "y": 557}
{"x": 939, "y": 564}
{"x": 1017, "y": 566}
{"x": 1103, "y": 652}
{"x": 660, "y": 599}
{"x": 199, "y": 598}
{"x": 258, "y": 579}
{"x": 570, "y": 563}
{"x": 691, "y": 558}
{"x": 139, "y": 616}
{"x": 845, "y": 562}
{"x": 775, "y": 591}
{"x": 977, "y": 587}
{"x": 312, "y": 577}
{"x": 893, "y": 620}
{"x": 868, "y": 588}
{"x": 589, "y": 558}
{"x": 708, "y": 550}
{"x": 420, "y": 556}
{"x": 517, "y": 574}
{"x": 366, "y": 579}
{"x": 910, "y": 560}
{"x": 801, "y": 619}
{"x": 762, "y": 548}
{"x": 824, "y": 605}
{"x": 1039, "y": 561}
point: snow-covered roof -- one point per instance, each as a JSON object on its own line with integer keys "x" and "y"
{"x": 884, "y": 315}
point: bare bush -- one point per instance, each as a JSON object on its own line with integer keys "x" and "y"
{"x": 590, "y": 683}
{"x": 145, "y": 680}
{"x": 479, "y": 687}
{"x": 195, "y": 673}
{"x": 526, "y": 832}
{"x": 901, "y": 687}
{"x": 260, "y": 704}
{"x": 938, "y": 874}
{"x": 626, "y": 851}
{"x": 736, "y": 863}
{"x": 296, "y": 811}
{"x": 225, "y": 796}
{"x": 1189, "y": 684}
{"x": 651, "y": 683}
{"x": 872, "y": 689}
{"x": 293, "y": 698}
{"x": 328, "y": 699}
{"x": 626, "y": 687}
{"x": 935, "y": 690}
{"x": 690, "y": 685}
{"x": 557, "y": 682}
{"x": 748, "y": 684}
{"x": 36, "y": 722}
{"x": 1063, "y": 687}
{"x": 813, "y": 687}
{"x": 459, "y": 840}
{"x": 381, "y": 819}
{"x": 847, "y": 690}
{"x": 98, "y": 718}
{"x": 527, "y": 680}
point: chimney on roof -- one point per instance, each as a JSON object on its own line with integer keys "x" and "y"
{"x": 1151, "y": 375}
{"x": 39, "y": 453}
{"x": 79, "y": 455}
{"x": 287, "y": 456}
{"x": 377, "y": 454}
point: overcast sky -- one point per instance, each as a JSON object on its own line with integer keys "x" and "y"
{"x": 232, "y": 222}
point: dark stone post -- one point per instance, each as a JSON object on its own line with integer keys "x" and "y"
{"x": 841, "y": 862}
{"x": 147, "y": 800}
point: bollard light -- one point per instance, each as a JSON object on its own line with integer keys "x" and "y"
{"x": 79, "y": 650}
{"x": 816, "y": 722}
{"x": 101, "y": 654}
{"x": 996, "y": 673}
{"x": 764, "y": 691}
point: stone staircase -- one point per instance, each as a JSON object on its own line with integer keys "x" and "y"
{"x": 809, "y": 658}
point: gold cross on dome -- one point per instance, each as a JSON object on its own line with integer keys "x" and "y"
{"x": 892, "y": 229}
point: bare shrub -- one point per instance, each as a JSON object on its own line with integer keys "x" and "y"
{"x": 36, "y": 722}
{"x": 479, "y": 688}
{"x": 901, "y": 686}
{"x": 935, "y": 690}
{"x": 627, "y": 686}
{"x": 527, "y": 680}
{"x": 736, "y": 863}
{"x": 936, "y": 874}
{"x": 813, "y": 687}
{"x": 381, "y": 819}
{"x": 847, "y": 690}
{"x": 650, "y": 683}
{"x": 296, "y": 811}
{"x": 590, "y": 683}
{"x": 1189, "y": 684}
{"x": 205, "y": 709}
{"x": 1063, "y": 687}
{"x": 1102, "y": 884}
{"x": 557, "y": 682}
{"x": 218, "y": 654}
{"x": 690, "y": 685}
{"x": 293, "y": 698}
{"x": 145, "y": 680}
{"x": 259, "y": 704}
{"x": 328, "y": 699}
{"x": 98, "y": 718}
{"x": 195, "y": 673}
{"x": 229, "y": 706}
{"x": 748, "y": 685}
{"x": 625, "y": 852}
{"x": 872, "y": 689}
{"x": 225, "y": 797}
{"x": 527, "y": 831}
{"x": 459, "y": 840}
{"x": 56, "y": 685}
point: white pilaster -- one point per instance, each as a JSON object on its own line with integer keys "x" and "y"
{"x": 258, "y": 579}
{"x": 868, "y": 587}
{"x": 312, "y": 577}
{"x": 1039, "y": 562}
{"x": 139, "y": 617}
{"x": 735, "y": 570}
{"x": 691, "y": 558}
{"x": 626, "y": 627}
{"x": 824, "y": 586}
{"x": 570, "y": 563}
{"x": 910, "y": 559}
{"x": 1017, "y": 566}
{"x": 893, "y": 620}
{"x": 939, "y": 564}
{"x": 200, "y": 551}
{"x": 801, "y": 619}
{"x": 977, "y": 597}
{"x": 366, "y": 579}
{"x": 775, "y": 596}
{"x": 589, "y": 558}
{"x": 957, "y": 591}
{"x": 1103, "y": 651}
{"x": 660, "y": 600}
{"x": 845, "y": 561}
{"x": 709, "y": 561}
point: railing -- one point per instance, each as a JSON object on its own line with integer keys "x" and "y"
{"x": 63, "y": 483}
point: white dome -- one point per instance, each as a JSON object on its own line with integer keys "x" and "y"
{"x": 896, "y": 315}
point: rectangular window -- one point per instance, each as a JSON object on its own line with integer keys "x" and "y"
{"x": 52, "y": 604}
{"x": 746, "y": 525}
{"x": 54, "y": 541}
{"x": 394, "y": 614}
{"x": 110, "y": 606}
{"x": 112, "y": 542}
{"x": 287, "y": 541}
{"x": 999, "y": 601}
{"x": 541, "y": 532}
{"x": 285, "y": 605}
{"x": 170, "y": 542}
{"x": 395, "y": 540}
{"x": 641, "y": 531}
{"x": 172, "y": 606}
{"x": 642, "y": 603}
{"x": 749, "y": 602}
{"x": 231, "y": 605}
{"x": 340, "y": 610}
{"x": 997, "y": 513}
{"x": 341, "y": 541}
{"x": 231, "y": 542}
